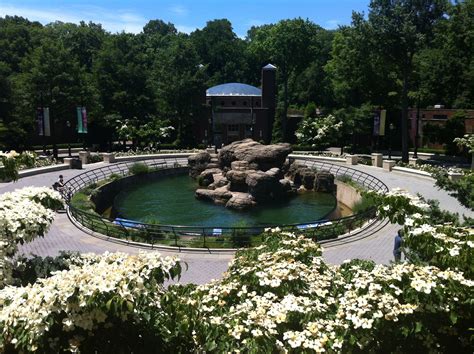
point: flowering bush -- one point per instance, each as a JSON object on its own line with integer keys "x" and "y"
{"x": 317, "y": 132}
{"x": 82, "y": 308}
{"x": 283, "y": 295}
{"x": 13, "y": 162}
{"x": 24, "y": 215}
{"x": 279, "y": 296}
{"x": 397, "y": 204}
{"x": 8, "y": 166}
{"x": 427, "y": 240}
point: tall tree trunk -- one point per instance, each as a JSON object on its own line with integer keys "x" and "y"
{"x": 285, "y": 106}
{"x": 404, "y": 126}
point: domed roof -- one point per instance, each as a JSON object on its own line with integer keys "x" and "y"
{"x": 233, "y": 89}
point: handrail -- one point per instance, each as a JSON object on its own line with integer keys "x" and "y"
{"x": 215, "y": 236}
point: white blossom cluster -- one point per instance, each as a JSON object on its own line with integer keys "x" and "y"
{"x": 9, "y": 155}
{"x": 24, "y": 215}
{"x": 82, "y": 298}
{"x": 278, "y": 290}
{"x": 316, "y": 131}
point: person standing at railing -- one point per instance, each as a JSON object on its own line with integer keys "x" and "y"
{"x": 397, "y": 249}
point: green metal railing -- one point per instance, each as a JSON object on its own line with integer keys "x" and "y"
{"x": 217, "y": 236}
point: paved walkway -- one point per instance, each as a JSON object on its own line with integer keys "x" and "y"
{"x": 63, "y": 235}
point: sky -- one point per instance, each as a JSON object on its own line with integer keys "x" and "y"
{"x": 186, "y": 15}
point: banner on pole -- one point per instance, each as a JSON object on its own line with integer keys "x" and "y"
{"x": 383, "y": 117}
{"x": 47, "y": 123}
{"x": 84, "y": 120}
{"x": 40, "y": 120}
{"x": 81, "y": 120}
{"x": 380, "y": 117}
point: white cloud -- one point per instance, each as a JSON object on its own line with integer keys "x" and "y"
{"x": 186, "y": 29}
{"x": 114, "y": 21}
{"x": 332, "y": 24}
{"x": 179, "y": 10}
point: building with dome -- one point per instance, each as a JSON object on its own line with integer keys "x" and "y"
{"x": 236, "y": 111}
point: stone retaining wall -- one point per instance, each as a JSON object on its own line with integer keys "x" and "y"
{"x": 346, "y": 194}
{"x": 106, "y": 193}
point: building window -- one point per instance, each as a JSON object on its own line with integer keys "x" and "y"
{"x": 440, "y": 116}
{"x": 245, "y": 103}
{"x": 222, "y": 103}
{"x": 232, "y": 129}
{"x": 257, "y": 103}
{"x": 233, "y": 103}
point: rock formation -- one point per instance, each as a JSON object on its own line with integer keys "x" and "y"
{"x": 246, "y": 173}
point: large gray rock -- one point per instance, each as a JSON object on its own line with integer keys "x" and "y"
{"x": 219, "y": 181}
{"x": 262, "y": 186}
{"x": 275, "y": 172}
{"x": 218, "y": 195}
{"x": 307, "y": 179}
{"x": 198, "y": 163}
{"x": 324, "y": 182}
{"x": 240, "y": 201}
{"x": 206, "y": 177}
{"x": 237, "y": 180}
{"x": 239, "y": 165}
{"x": 263, "y": 156}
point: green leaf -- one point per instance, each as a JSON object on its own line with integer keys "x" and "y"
{"x": 453, "y": 317}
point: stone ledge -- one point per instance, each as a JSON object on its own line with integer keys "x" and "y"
{"x": 412, "y": 171}
{"x": 151, "y": 156}
{"x": 322, "y": 158}
{"x": 41, "y": 170}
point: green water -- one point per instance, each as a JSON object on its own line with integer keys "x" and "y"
{"x": 171, "y": 201}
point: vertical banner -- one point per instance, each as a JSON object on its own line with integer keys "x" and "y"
{"x": 40, "y": 120}
{"x": 84, "y": 120}
{"x": 47, "y": 125}
{"x": 383, "y": 118}
{"x": 376, "y": 123}
{"x": 79, "y": 119}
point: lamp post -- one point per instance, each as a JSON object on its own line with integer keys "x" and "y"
{"x": 68, "y": 125}
{"x": 415, "y": 154}
{"x": 391, "y": 127}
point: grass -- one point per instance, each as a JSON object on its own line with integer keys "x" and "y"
{"x": 364, "y": 204}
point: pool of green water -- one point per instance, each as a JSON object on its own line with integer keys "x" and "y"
{"x": 171, "y": 201}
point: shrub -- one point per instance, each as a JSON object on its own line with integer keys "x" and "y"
{"x": 241, "y": 237}
{"x": 93, "y": 158}
{"x": 139, "y": 168}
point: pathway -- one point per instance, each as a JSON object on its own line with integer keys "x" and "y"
{"x": 203, "y": 267}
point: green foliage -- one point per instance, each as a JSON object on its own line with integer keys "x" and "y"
{"x": 28, "y": 270}
{"x": 401, "y": 52}
{"x": 365, "y": 203}
{"x": 241, "y": 237}
{"x": 461, "y": 189}
{"x": 139, "y": 168}
{"x": 81, "y": 200}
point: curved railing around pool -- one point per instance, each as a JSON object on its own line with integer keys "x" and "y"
{"x": 212, "y": 237}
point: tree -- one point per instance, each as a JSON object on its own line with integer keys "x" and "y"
{"x": 446, "y": 67}
{"x": 290, "y": 45}
{"x": 221, "y": 51}
{"x": 123, "y": 79}
{"x": 401, "y": 29}
{"x": 179, "y": 83}
{"x": 50, "y": 77}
